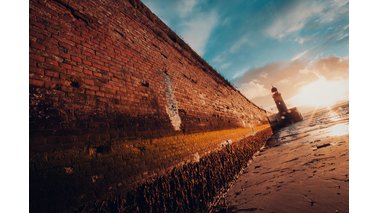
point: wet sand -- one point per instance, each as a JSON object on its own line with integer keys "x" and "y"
{"x": 303, "y": 168}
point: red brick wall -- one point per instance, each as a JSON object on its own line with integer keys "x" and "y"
{"x": 103, "y": 73}
{"x": 103, "y": 70}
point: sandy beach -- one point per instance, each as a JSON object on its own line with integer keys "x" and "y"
{"x": 303, "y": 168}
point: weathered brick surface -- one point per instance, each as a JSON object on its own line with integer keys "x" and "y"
{"x": 101, "y": 68}
{"x": 110, "y": 72}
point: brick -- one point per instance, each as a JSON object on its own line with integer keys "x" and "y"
{"x": 88, "y": 72}
{"x": 52, "y": 62}
{"x": 37, "y": 58}
{"x": 97, "y": 74}
{"x": 36, "y": 82}
{"x": 37, "y": 46}
{"x": 66, "y": 66}
{"x": 76, "y": 59}
{"x": 37, "y": 71}
{"x": 89, "y": 82}
{"x": 52, "y": 74}
{"x": 100, "y": 94}
{"x": 87, "y": 62}
{"x": 90, "y": 92}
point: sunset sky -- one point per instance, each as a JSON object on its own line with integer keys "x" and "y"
{"x": 301, "y": 47}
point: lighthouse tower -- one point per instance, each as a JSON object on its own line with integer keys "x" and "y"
{"x": 281, "y": 106}
{"x": 285, "y": 116}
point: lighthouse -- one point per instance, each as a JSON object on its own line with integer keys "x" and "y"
{"x": 285, "y": 116}
{"x": 280, "y": 103}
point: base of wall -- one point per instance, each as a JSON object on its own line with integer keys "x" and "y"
{"x": 189, "y": 188}
{"x": 99, "y": 184}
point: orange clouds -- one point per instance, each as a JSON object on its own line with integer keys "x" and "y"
{"x": 289, "y": 77}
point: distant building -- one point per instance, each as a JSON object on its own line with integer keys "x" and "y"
{"x": 285, "y": 116}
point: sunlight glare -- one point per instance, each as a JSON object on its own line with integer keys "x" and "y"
{"x": 321, "y": 93}
{"x": 338, "y": 130}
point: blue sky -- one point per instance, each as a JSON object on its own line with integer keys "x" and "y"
{"x": 241, "y": 38}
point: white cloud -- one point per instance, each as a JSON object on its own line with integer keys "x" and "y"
{"x": 284, "y": 81}
{"x": 300, "y": 40}
{"x": 334, "y": 10}
{"x": 253, "y": 89}
{"x": 240, "y": 71}
{"x": 197, "y": 31}
{"x": 184, "y": 7}
{"x": 225, "y": 65}
{"x": 244, "y": 40}
{"x": 264, "y": 75}
{"x": 219, "y": 58}
{"x": 305, "y": 71}
{"x": 299, "y": 55}
{"x": 293, "y": 20}
{"x": 343, "y": 33}
{"x": 226, "y": 21}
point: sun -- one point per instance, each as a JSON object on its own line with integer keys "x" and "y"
{"x": 321, "y": 93}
